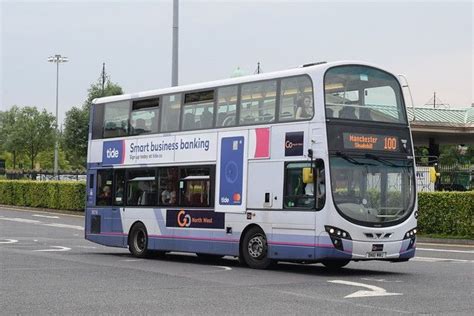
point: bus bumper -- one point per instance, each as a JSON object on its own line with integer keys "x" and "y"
{"x": 401, "y": 250}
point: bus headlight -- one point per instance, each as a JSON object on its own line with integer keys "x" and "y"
{"x": 336, "y": 235}
{"x": 411, "y": 234}
{"x": 337, "y": 232}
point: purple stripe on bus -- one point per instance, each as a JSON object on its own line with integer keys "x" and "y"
{"x": 193, "y": 238}
{"x": 299, "y": 244}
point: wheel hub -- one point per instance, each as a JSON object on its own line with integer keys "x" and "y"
{"x": 256, "y": 246}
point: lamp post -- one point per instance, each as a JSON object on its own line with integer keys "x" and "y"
{"x": 57, "y": 59}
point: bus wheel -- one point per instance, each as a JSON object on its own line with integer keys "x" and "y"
{"x": 138, "y": 241}
{"x": 255, "y": 249}
{"x": 335, "y": 264}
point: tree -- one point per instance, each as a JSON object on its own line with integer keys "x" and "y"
{"x": 76, "y": 125}
{"x": 10, "y": 137}
{"x": 96, "y": 91}
{"x": 35, "y": 132}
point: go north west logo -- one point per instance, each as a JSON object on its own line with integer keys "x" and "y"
{"x": 112, "y": 152}
{"x": 183, "y": 219}
{"x": 194, "y": 219}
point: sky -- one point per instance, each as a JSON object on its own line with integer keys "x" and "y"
{"x": 430, "y": 42}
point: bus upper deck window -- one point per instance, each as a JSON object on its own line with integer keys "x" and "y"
{"x": 296, "y": 99}
{"x": 170, "y": 113}
{"x": 258, "y": 102}
{"x": 116, "y": 119}
{"x": 145, "y": 116}
{"x": 226, "y": 106}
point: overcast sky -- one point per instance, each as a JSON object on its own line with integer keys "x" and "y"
{"x": 430, "y": 42}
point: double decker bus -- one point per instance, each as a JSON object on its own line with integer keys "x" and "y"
{"x": 313, "y": 164}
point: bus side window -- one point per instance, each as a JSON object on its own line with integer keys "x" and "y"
{"x": 300, "y": 191}
{"x": 258, "y": 102}
{"x": 170, "y": 113}
{"x": 167, "y": 186}
{"x": 195, "y": 187}
{"x": 294, "y": 92}
{"x": 104, "y": 187}
{"x": 145, "y": 116}
{"x": 116, "y": 119}
{"x": 226, "y": 106}
{"x": 141, "y": 187}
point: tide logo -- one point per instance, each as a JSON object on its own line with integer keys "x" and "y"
{"x": 183, "y": 219}
{"x": 112, "y": 152}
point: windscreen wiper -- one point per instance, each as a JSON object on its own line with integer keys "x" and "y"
{"x": 384, "y": 161}
{"x": 350, "y": 159}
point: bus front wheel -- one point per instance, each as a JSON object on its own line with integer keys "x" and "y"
{"x": 138, "y": 241}
{"x": 255, "y": 249}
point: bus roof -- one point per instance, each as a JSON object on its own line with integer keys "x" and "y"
{"x": 318, "y": 67}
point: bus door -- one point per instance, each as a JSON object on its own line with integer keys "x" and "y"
{"x": 91, "y": 187}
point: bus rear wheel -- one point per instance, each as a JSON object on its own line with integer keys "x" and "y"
{"x": 254, "y": 249}
{"x": 138, "y": 241}
{"x": 335, "y": 264}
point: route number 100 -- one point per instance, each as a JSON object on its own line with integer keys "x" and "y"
{"x": 390, "y": 143}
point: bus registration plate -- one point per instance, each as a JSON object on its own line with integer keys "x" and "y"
{"x": 376, "y": 254}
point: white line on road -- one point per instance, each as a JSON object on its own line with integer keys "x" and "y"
{"x": 382, "y": 280}
{"x": 374, "y": 290}
{"x": 430, "y": 259}
{"x": 445, "y": 250}
{"x": 65, "y": 226}
{"x": 8, "y": 241}
{"x": 20, "y": 220}
{"x": 56, "y": 248}
{"x": 45, "y": 216}
{"x": 224, "y": 267}
{"x": 131, "y": 260}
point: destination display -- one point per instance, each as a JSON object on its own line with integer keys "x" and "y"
{"x": 371, "y": 142}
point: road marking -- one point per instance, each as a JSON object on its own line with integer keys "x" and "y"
{"x": 374, "y": 290}
{"x": 224, "y": 267}
{"x": 445, "y": 250}
{"x": 45, "y": 216}
{"x": 87, "y": 247}
{"x": 381, "y": 280}
{"x": 131, "y": 260}
{"x": 58, "y": 225}
{"x": 430, "y": 259}
{"x": 56, "y": 248}
{"x": 445, "y": 245}
{"x": 8, "y": 241}
{"x": 20, "y": 220}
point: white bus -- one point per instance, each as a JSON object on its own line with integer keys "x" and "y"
{"x": 313, "y": 164}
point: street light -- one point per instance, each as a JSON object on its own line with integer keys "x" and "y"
{"x": 57, "y": 59}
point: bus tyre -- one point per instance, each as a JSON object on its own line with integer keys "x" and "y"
{"x": 138, "y": 241}
{"x": 335, "y": 264}
{"x": 255, "y": 249}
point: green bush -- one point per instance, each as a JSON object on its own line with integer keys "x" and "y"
{"x": 45, "y": 194}
{"x": 446, "y": 213}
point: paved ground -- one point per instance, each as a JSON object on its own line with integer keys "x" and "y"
{"x": 48, "y": 268}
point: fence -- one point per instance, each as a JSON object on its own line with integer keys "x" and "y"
{"x": 46, "y": 175}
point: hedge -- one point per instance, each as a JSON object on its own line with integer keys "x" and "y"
{"x": 446, "y": 213}
{"x": 45, "y": 194}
